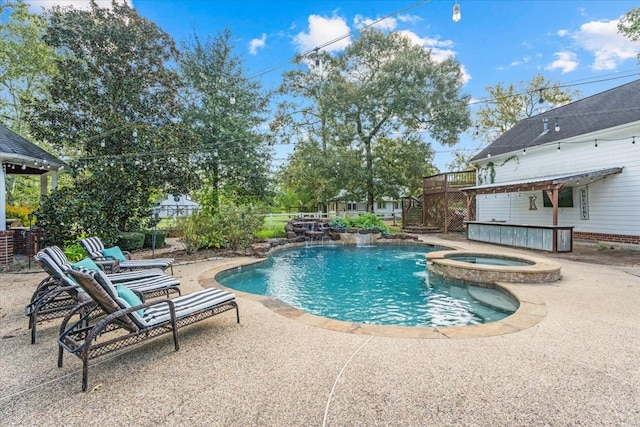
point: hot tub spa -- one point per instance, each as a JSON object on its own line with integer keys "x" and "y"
{"x": 487, "y": 267}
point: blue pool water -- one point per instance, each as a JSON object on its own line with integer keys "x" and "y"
{"x": 384, "y": 285}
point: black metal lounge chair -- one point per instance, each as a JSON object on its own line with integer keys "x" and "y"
{"x": 55, "y": 296}
{"x": 97, "y": 251}
{"x": 130, "y": 322}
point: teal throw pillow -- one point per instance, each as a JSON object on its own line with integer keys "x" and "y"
{"x": 130, "y": 297}
{"x": 85, "y": 263}
{"x": 114, "y": 253}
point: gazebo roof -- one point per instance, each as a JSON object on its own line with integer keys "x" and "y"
{"x": 18, "y": 151}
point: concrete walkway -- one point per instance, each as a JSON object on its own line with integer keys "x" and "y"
{"x": 579, "y": 365}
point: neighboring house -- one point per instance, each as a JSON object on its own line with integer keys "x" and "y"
{"x": 385, "y": 207}
{"x": 177, "y": 207}
{"x": 585, "y": 156}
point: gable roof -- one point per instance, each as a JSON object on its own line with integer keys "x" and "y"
{"x": 614, "y": 107}
{"x": 15, "y": 149}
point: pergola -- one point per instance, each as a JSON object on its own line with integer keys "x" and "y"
{"x": 21, "y": 157}
{"x": 550, "y": 184}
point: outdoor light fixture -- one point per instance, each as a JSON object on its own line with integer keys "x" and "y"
{"x": 456, "y": 13}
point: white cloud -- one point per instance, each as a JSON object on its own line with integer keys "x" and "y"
{"x": 563, "y": 33}
{"x": 36, "y": 6}
{"x": 440, "y": 49}
{"x": 609, "y": 48}
{"x": 409, "y": 18}
{"x": 322, "y": 30}
{"x": 256, "y": 44}
{"x": 522, "y": 61}
{"x": 565, "y": 62}
{"x": 387, "y": 24}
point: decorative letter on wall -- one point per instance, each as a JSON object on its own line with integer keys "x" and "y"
{"x": 532, "y": 203}
{"x": 584, "y": 203}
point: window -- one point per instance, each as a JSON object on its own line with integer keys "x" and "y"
{"x": 565, "y": 198}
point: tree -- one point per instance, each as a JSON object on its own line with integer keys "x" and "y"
{"x": 508, "y": 105}
{"x": 629, "y": 25}
{"x": 380, "y": 87}
{"x": 113, "y": 107}
{"x": 306, "y": 119}
{"x": 225, "y": 110}
{"x": 26, "y": 62}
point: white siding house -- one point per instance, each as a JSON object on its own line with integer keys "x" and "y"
{"x": 592, "y": 156}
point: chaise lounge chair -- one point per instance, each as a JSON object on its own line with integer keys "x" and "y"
{"x": 128, "y": 321}
{"x": 55, "y": 296}
{"x": 97, "y": 252}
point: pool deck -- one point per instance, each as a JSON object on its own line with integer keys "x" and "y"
{"x": 576, "y": 362}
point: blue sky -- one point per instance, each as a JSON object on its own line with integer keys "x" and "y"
{"x": 496, "y": 41}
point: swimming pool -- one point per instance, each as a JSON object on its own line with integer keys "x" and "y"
{"x": 383, "y": 285}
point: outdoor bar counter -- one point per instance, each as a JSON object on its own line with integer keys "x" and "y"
{"x": 552, "y": 238}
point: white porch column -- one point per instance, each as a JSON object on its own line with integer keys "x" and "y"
{"x": 54, "y": 180}
{"x": 3, "y": 200}
{"x": 43, "y": 184}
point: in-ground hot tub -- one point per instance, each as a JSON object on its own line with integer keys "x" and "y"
{"x": 487, "y": 267}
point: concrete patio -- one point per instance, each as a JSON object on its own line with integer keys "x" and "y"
{"x": 579, "y": 364}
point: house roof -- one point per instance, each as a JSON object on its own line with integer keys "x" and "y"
{"x": 16, "y": 150}
{"x": 614, "y": 107}
{"x": 543, "y": 182}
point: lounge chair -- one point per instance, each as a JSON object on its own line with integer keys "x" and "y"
{"x": 97, "y": 252}
{"x": 127, "y": 321}
{"x": 55, "y": 296}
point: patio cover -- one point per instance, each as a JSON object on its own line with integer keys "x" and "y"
{"x": 541, "y": 183}
{"x": 550, "y": 184}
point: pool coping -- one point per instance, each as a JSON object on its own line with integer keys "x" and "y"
{"x": 532, "y": 310}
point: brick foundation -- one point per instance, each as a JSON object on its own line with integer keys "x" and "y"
{"x": 21, "y": 239}
{"x": 603, "y": 237}
{"x": 6, "y": 247}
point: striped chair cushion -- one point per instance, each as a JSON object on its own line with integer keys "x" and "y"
{"x": 93, "y": 246}
{"x": 102, "y": 291}
{"x": 57, "y": 255}
{"x": 187, "y": 304}
{"x": 162, "y": 263}
{"x": 52, "y": 268}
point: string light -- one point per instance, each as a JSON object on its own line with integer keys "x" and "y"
{"x": 456, "y": 13}
{"x": 596, "y": 143}
{"x": 558, "y": 146}
{"x": 557, "y": 126}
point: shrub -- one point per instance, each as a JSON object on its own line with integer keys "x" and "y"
{"x": 339, "y": 224}
{"x": 130, "y": 241}
{"x": 22, "y": 213}
{"x": 369, "y": 221}
{"x": 75, "y": 252}
{"x": 160, "y": 238}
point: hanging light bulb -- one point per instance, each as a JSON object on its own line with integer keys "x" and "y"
{"x": 633, "y": 141}
{"x": 456, "y": 13}
{"x": 232, "y": 99}
{"x": 524, "y": 151}
{"x": 24, "y": 167}
{"x": 541, "y": 100}
{"x": 102, "y": 144}
{"x": 558, "y": 146}
{"x": 557, "y": 127}
{"x": 596, "y": 143}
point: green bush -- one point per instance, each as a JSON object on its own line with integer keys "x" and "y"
{"x": 22, "y": 213}
{"x": 130, "y": 241}
{"x": 369, "y": 221}
{"x": 339, "y": 224}
{"x": 232, "y": 227}
{"x": 75, "y": 252}
{"x": 160, "y": 238}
